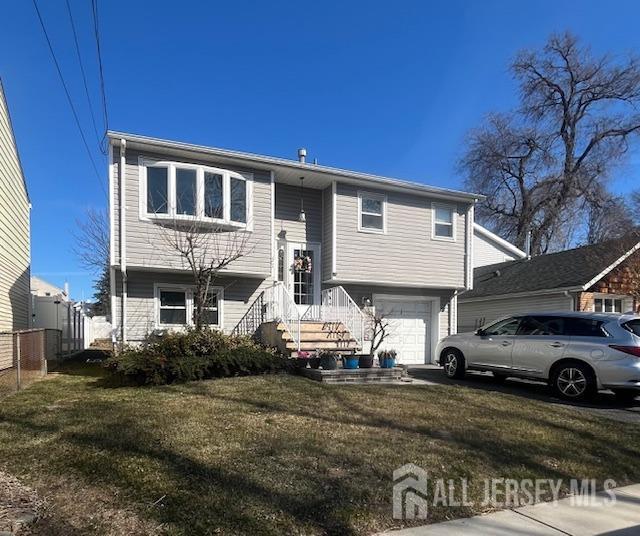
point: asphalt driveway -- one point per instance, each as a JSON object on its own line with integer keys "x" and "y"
{"x": 605, "y": 404}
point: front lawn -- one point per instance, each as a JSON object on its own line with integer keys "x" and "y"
{"x": 279, "y": 454}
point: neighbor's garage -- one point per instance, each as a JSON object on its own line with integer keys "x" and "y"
{"x": 410, "y": 323}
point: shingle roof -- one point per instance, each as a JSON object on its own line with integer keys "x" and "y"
{"x": 566, "y": 269}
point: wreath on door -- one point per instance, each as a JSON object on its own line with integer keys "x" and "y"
{"x": 302, "y": 264}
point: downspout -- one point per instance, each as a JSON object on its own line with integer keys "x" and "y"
{"x": 469, "y": 249}
{"x": 112, "y": 248}
{"x": 123, "y": 243}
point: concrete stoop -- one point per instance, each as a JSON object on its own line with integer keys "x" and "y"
{"x": 372, "y": 375}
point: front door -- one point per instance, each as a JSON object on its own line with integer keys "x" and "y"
{"x": 304, "y": 274}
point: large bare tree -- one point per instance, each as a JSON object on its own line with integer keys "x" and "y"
{"x": 576, "y": 118}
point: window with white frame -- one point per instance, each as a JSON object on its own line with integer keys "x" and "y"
{"x": 177, "y": 190}
{"x": 371, "y": 212}
{"x": 175, "y": 307}
{"x": 443, "y": 222}
{"x": 608, "y": 305}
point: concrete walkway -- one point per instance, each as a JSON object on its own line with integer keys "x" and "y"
{"x": 561, "y": 518}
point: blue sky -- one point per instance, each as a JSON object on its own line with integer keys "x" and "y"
{"x": 384, "y": 87}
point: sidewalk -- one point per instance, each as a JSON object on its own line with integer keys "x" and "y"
{"x": 563, "y": 518}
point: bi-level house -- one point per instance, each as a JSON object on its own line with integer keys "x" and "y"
{"x": 321, "y": 244}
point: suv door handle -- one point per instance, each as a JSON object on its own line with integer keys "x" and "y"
{"x": 556, "y": 345}
{"x": 506, "y": 343}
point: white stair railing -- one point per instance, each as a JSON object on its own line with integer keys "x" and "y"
{"x": 281, "y": 307}
{"x": 337, "y": 306}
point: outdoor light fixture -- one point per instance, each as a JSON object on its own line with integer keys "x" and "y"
{"x": 302, "y": 217}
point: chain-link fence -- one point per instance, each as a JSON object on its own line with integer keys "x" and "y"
{"x": 23, "y": 357}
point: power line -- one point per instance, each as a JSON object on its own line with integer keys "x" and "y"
{"x": 84, "y": 77}
{"x": 66, "y": 90}
{"x": 96, "y": 32}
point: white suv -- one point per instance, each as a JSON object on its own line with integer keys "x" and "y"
{"x": 577, "y": 353}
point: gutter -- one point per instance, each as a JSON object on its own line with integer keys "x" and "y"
{"x": 519, "y": 294}
{"x": 296, "y": 165}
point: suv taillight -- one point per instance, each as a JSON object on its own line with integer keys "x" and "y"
{"x": 631, "y": 350}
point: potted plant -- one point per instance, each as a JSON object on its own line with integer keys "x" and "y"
{"x": 314, "y": 360}
{"x": 387, "y": 358}
{"x": 328, "y": 360}
{"x": 350, "y": 361}
{"x": 301, "y": 360}
{"x": 378, "y": 326}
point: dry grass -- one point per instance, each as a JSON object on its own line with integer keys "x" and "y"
{"x": 279, "y": 454}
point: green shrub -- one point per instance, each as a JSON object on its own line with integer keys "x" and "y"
{"x": 193, "y": 355}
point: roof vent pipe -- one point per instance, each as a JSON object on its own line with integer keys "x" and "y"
{"x": 527, "y": 245}
{"x": 302, "y": 155}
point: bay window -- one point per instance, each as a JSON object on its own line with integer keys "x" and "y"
{"x": 186, "y": 191}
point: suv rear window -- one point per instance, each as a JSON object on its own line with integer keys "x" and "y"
{"x": 633, "y": 326}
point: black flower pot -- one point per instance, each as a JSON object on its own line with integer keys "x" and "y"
{"x": 365, "y": 361}
{"x": 300, "y": 362}
{"x": 314, "y": 362}
{"x": 328, "y": 363}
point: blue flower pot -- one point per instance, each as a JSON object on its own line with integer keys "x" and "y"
{"x": 388, "y": 363}
{"x": 350, "y": 362}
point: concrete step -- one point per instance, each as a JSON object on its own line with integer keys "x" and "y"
{"x": 310, "y": 346}
{"x": 317, "y": 327}
{"x": 372, "y": 375}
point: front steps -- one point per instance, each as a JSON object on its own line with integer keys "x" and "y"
{"x": 314, "y": 335}
{"x": 340, "y": 375}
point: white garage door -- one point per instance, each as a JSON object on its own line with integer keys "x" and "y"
{"x": 409, "y": 321}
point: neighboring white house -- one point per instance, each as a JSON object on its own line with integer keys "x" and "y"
{"x": 15, "y": 249}
{"x": 588, "y": 278}
{"x": 489, "y": 248}
{"x": 318, "y": 249}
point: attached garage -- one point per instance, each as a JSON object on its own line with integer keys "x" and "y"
{"x": 414, "y": 325}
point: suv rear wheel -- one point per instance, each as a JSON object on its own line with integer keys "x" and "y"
{"x": 574, "y": 381}
{"x": 453, "y": 363}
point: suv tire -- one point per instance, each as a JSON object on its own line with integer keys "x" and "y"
{"x": 453, "y": 363}
{"x": 574, "y": 381}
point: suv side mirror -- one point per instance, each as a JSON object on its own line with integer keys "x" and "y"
{"x": 480, "y": 332}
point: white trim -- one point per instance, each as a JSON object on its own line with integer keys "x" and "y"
{"x": 611, "y": 267}
{"x": 113, "y": 302}
{"x": 187, "y": 271}
{"x": 563, "y": 290}
{"x": 227, "y": 175}
{"x": 435, "y": 315}
{"x": 274, "y": 253}
{"x": 469, "y": 251}
{"x": 122, "y": 176}
{"x": 188, "y": 291}
{"x": 387, "y": 182}
{"x": 378, "y": 197}
{"x": 334, "y": 226}
{"x": 396, "y": 283}
{"x": 453, "y": 325}
{"x": 112, "y": 230}
{"x": 498, "y": 240}
{"x": 454, "y": 220}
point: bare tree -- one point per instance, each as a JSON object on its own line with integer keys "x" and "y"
{"x": 607, "y": 216}
{"x": 379, "y": 328}
{"x": 92, "y": 249}
{"x": 206, "y": 249}
{"x": 576, "y": 117}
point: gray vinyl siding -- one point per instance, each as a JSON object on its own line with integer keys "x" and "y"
{"x": 287, "y": 214}
{"x": 239, "y": 294}
{"x": 148, "y": 243}
{"x": 359, "y": 292}
{"x": 473, "y": 314}
{"x": 327, "y": 233}
{"x": 485, "y": 252}
{"x": 15, "y": 254}
{"x": 406, "y": 252}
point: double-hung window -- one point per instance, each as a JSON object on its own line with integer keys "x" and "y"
{"x": 371, "y": 212}
{"x": 175, "y": 306}
{"x": 443, "y": 222}
{"x": 186, "y": 191}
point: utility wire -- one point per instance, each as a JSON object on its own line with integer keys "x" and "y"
{"x": 84, "y": 77}
{"x": 96, "y": 32}
{"x": 66, "y": 90}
